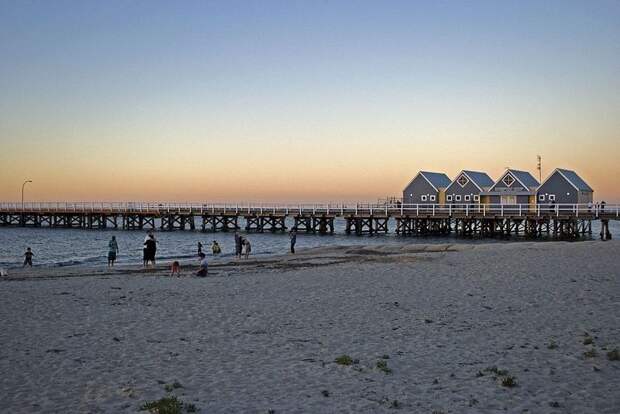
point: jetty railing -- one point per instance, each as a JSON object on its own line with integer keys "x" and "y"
{"x": 336, "y": 209}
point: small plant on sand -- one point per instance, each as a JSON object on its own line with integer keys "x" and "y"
{"x": 496, "y": 371}
{"x": 344, "y": 360}
{"x": 382, "y": 366}
{"x": 386, "y": 356}
{"x": 171, "y": 387}
{"x": 509, "y": 381}
{"x": 166, "y": 405}
{"x": 588, "y": 340}
{"x": 552, "y": 345}
{"x": 325, "y": 393}
{"x": 395, "y": 404}
{"x": 591, "y": 353}
{"x": 554, "y": 404}
{"x": 190, "y": 408}
{"x": 613, "y": 355}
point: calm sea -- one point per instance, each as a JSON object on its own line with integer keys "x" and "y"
{"x": 67, "y": 247}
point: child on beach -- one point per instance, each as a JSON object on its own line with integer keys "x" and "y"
{"x": 175, "y": 269}
{"x": 246, "y": 248}
{"x": 28, "y": 257}
{"x": 203, "y": 270}
{"x": 215, "y": 248}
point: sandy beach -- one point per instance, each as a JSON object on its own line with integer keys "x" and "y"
{"x": 481, "y": 328}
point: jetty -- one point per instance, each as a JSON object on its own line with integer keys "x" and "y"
{"x": 487, "y": 220}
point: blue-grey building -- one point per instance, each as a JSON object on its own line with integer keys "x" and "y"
{"x": 467, "y": 187}
{"x": 426, "y": 188}
{"x": 513, "y": 187}
{"x": 564, "y": 187}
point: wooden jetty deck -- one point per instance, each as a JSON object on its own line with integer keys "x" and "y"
{"x": 564, "y": 220}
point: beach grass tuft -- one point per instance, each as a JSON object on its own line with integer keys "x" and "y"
{"x": 382, "y": 366}
{"x": 496, "y": 371}
{"x": 552, "y": 345}
{"x": 588, "y": 340}
{"x": 165, "y": 405}
{"x": 171, "y": 387}
{"x": 591, "y": 353}
{"x": 344, "y": 360}
{"x": 509, "y": 381}
{"x": 613, "y": 355}
{"x": 395, "y": 404}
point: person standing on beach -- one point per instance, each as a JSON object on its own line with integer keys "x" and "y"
{"x": 247, "y": 248}
{"x": 238, "y": 244}
{"x": 112, "y": 251}
{"x": 150, "y": 248}
{"x": 199, "y": 248}
{"x": 293, "y": 236}
{"x": 28, "y": 257}
{"x": 203, "y": 270}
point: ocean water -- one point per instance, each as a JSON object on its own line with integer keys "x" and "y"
{"x": 70, "y": 247}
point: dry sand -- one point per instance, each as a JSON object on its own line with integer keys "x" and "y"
{"x": 263, "y": 335}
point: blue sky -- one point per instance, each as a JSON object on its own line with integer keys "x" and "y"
{"x": 279, "y": 76}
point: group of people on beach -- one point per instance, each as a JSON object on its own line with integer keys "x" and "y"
{"x": 243, "y": 248}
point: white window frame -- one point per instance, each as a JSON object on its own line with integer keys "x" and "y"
{"x": 551, "y": 197}
{"x": 423, "y": 197}
{"x": 449, "y": 197}
{"x": 467, "y": 198}
{"x": 476, "y": 197}
{"x": 431, "y": 198}
{"x": 458, "y": 180}
{"x": 457, "y": 197}
{"x": 511, "y": 177}
{"x": 541, "y": 197}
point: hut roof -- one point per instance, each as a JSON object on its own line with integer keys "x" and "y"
{"x": 481, "y": 179}
{"x": 573, "y": 178}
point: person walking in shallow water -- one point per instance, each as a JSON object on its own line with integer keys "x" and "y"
{"x": 238, "y": 244}
{"x": 293, "y": 236}
{"x": 199, "y": 248}
{"x": 112, "y": 251}
{"x": 215, "y": 248}
{"x": 28, "y": 257}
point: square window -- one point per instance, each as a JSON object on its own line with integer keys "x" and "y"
{"x": 541, "y": 197}
{"x": 551, "y": 197}
{"x": 476, "y": 198}
{"x": 423, "y": 198}
{"x": 457, "y": 198}
{"x": 467, "y": 198}
{"x": 432, "y": 198}
{"x": 448, "y": 198}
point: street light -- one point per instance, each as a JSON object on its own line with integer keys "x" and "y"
{"x": 23, "y": 185}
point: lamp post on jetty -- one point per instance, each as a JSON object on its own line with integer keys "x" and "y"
{"x": 24, "y": 185}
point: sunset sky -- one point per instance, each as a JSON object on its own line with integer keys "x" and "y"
{"x": 301, "y": 100}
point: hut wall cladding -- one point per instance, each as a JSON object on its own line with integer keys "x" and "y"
{"x": 418, "y": 187}
{"x": 564, "y": 191}
{"x": 455, "y": 189}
